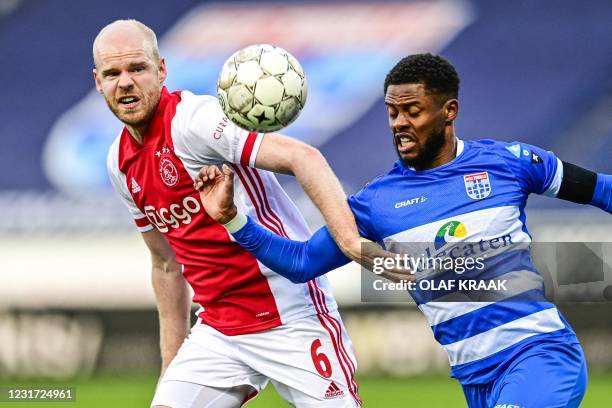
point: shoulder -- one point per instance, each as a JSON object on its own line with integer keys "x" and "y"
{"x": 191, "y": 98}
{"x": 511, "y": 153}
{"x": 112, "y": 158}
{"x": 535, "y": 168}
{"x": 491, "y": 145}
{"x": 515, "y": 149}
{"x": 370, "y": 189}
{"x": 116, "y": 173}
{"x": 192, "y": 104}
{"x": 198, "y": 116}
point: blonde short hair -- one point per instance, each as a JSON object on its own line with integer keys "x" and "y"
{"x": 149, "y": 35}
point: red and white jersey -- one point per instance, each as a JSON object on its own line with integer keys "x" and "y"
{"x": 238, "y": 294}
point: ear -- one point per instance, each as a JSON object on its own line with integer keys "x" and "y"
{"x": 162, "y": 71}
{"x": 97, "y": 81}
{"x": 451, "y": 109}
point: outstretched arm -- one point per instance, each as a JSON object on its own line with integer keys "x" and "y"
{"x": 295, "y": 260}
{"x": 282, "y": 154}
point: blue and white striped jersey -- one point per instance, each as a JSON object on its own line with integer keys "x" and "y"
{"x": 478, "y": 201}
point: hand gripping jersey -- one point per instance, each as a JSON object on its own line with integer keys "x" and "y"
{"x": 476, "y": 202}
{"x": 237, "y": 294}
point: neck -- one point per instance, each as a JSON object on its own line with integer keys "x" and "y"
{"x": 446, "y": 153}
{"x": 137, "y": 132}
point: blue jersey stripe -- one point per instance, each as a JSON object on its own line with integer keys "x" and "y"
{"x": 487, "y": 318}
{"x": 490, "y": 368}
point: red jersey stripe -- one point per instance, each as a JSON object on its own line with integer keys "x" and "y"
{"x": 334, "y": 343}
{"x": 142, "y": 222}
{"x": 245, "y": 157}
{"x": 267, "y": 204}
{"x": 264, "y": 209}
{"x": 253, "y": 199}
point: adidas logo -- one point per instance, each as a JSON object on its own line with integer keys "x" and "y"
{"x": 333, "y": 391}
{"x": 135, "y": 187}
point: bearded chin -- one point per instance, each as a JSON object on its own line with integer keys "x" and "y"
{"x": 430, "y": 151}
{"x": 133, "y": 120}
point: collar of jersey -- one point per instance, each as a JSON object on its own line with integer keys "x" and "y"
{"x": 460, "y": 150}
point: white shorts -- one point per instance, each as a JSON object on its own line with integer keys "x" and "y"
{"x": 310, "y": 362}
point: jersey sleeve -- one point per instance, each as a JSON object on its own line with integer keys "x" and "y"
{"x": 298, "y": 261}
{"x": 203, "y": 134}
{"x": 537, "y": 170}
{"x": 120, "y": 186}
{"x": 361, "y": 204}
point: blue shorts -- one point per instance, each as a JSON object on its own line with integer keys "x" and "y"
{"x": 546, "y": 375}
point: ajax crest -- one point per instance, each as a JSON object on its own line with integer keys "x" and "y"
{"x": 168, "y": 172}
{"x": 478, "y": 185}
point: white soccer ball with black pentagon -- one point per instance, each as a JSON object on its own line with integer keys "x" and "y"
{"x": 262, "y": 88}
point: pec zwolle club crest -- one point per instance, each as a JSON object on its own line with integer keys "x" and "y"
{"x": 477, "y": 186}
{"x": 168, "y": 172}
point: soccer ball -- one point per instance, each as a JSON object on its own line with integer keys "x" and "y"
{"x": 262, "y": 88}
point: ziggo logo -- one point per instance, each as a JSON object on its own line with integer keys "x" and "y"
{"x": 174, "y": 216}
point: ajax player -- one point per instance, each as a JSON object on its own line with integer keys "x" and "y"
{"x": 253, "y": 324}
{"x": 506, "y": 353}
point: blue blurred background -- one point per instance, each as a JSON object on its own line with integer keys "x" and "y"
{"x": 535, "y": 71}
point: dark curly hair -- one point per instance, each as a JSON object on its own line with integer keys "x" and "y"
{"x": 434, "y": 72}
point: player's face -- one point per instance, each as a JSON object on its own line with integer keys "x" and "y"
{"x": 417, "y": 121}
{"x": 130, "y": 80}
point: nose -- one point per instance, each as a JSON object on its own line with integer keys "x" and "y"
{"x": 401, "y": 121}
{"x": 125, "y": 81}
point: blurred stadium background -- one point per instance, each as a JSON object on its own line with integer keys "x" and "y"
{"x": 76, "y": 303}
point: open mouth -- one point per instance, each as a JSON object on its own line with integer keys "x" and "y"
{"x": 128, "y": 101}
{"x": 404, "y": 142}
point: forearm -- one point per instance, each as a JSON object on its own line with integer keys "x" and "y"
{"x": 583, "y": 186}
{"x": 173, "y": 305}
{"x": 282, "y": 154}
{"x": 602, "y": 196}
{"x": 323, "y": 187}
{"x": 295, "y": 260}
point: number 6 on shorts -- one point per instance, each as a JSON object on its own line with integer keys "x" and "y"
{"x": 320, "y": 360}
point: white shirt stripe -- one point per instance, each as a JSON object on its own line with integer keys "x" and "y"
{"x": 499, "y": 338}
{"x": 555, "y": 185}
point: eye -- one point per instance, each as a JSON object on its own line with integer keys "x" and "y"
{"x": 414, "y": 113}
{"x": 138, "y": 69}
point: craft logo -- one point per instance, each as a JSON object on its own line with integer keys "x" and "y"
{"x": 454, "y": 229}
{"x": 411, "y": 201}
